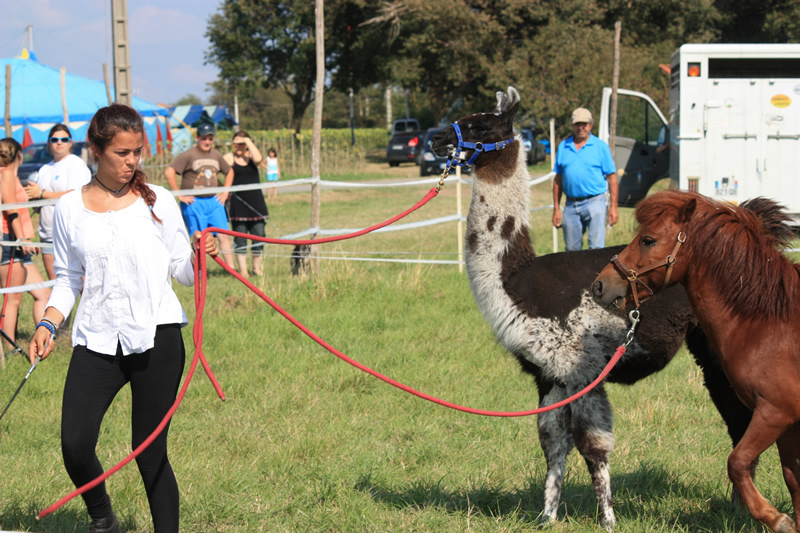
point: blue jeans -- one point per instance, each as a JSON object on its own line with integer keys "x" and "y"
{"x": 581, "y": 216}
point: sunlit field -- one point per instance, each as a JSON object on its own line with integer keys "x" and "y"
{"x": 306, "y": 442}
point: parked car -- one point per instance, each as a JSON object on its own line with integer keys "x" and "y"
{"x": 403, "y": 125}
{"x": 403, "y": 148}
{"x": 36, "y": 156}
{"x": 431, "y": 163}
{"x": 534, "y": 149}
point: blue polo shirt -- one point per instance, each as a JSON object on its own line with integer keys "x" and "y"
{"x": 583, "y": 172}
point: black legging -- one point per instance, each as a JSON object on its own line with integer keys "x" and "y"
{"x": 93, "y": 381}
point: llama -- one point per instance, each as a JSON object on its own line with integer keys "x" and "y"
{"x": 541, "y": 311}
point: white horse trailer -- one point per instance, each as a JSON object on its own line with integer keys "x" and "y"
{"x": 734, "y": 127}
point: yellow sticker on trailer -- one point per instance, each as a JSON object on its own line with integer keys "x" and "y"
{"x": 781, "y": 100}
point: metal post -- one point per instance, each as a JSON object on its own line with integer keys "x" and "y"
{"x": 352, "y": 121}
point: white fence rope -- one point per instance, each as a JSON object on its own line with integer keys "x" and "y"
{"x": 324, "y": 184}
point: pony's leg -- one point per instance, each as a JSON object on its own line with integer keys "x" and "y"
{"x": 592, "y": 427}
{"x": 789, "y": 450}
{"x": 556, "y": 441}
{"x": 764, "y": 429}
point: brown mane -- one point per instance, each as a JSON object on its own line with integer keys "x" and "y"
{"x": 736, "y": 248}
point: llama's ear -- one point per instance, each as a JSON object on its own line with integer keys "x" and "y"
{"x": 687, "y": 211}
{"x": 502, "y": 103}
{"x": 513, "y": 105}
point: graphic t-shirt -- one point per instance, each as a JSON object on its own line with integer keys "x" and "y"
{"x": 200, "y": 170}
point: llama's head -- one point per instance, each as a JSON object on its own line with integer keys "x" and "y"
{"x": 484, "y": 128}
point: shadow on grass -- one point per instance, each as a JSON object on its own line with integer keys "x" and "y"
{"x": 651, "y": 494}
{"x": 18, "y": 517}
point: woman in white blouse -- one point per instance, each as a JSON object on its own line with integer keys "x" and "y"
{"x": 127, "y": 240}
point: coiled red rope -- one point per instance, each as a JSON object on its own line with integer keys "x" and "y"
{"x": 197, "y": 334}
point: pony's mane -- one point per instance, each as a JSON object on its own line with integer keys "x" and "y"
{"x": 735, "y": 248}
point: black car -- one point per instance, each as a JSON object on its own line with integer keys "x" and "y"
{"x": 431, "y": 163}
{"x": 36, "y": 156}
{"x": 403, "y": 148}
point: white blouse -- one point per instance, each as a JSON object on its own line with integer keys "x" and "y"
{"x": 128, "y": 261}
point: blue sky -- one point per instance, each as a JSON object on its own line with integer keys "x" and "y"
{"x": 167, "y": 41}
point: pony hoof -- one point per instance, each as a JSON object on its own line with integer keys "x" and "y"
{"x": 785, "y": 525}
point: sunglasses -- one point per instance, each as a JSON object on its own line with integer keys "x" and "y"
{"x": 55, "y": 140}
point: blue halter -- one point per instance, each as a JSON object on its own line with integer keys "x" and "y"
{"x": 478, "y": 148}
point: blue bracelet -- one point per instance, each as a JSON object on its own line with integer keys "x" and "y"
{"x": 49, "y": 327}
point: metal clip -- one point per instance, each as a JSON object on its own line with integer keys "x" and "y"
{"x": 633, "y": 316}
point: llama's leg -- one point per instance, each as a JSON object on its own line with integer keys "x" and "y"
{"x": 592, "y": 426}
{"x": 556, "y": 441}
{"x": 789, "y": 449}
{"x": 764, "y": 429}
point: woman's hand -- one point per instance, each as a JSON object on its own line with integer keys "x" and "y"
{"x": 28, "y": 248}
{"x": 41, "y": 344}
{"x": 211, "y": 243}
{"x": 33, "y": 191}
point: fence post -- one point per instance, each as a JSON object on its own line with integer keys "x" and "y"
{"x": 552, "y": 167}
{"x": 460, "y": 223}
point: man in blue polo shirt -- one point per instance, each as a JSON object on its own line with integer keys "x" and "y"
{"x": 585, "y": 170}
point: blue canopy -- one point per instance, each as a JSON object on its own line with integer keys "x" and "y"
{"x": 36, "y": 101}
{"x": 191, "y": 115}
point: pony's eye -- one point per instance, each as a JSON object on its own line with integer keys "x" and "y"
{"x": 648, "y": 241}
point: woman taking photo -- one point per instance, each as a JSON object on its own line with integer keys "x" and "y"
{"x": 127, "y": 239}
{"x": 64, "y": 173}
{"x": 248, "y": 210}
{"x": 16, "y": 265}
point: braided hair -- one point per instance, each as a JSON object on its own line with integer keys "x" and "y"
{"x": 105, "y": 124}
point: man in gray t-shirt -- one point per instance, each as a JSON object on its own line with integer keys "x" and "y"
{"x": 199, "y": 168}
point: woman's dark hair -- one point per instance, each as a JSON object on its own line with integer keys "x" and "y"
{"x": 9, "y": 151}
{"x": 105, "y": 124}
{"x": 241, "y": 133}
{"x": 53, "y": 130}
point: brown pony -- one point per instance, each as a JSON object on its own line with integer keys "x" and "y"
{"x": 746, "y": 295}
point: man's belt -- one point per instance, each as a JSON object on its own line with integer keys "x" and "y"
{"x": 570, "y": 199}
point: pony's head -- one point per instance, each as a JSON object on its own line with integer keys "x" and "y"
{"x": 733, "y": 251}
{"x": 491, "y": 132}
{"x": 655, "y": 258}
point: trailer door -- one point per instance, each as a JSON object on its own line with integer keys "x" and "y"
{"x": 780, "y": 166}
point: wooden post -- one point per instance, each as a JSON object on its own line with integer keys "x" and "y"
{"x": 108, "y": 85}
{"x": 460, "y": 223}
{"x": 7, "y": 116}
{"x": 64, "y": 94}
{"x": 612, "y": 124}
{"x": 316, "y": 134}
{"x": 552, "y": 167}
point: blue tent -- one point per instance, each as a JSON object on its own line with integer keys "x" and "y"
{"x": 192, "y": 115}
{"x": 36, "y": 102}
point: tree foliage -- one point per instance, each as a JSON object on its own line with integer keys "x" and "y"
{"x": 558, "y": 54}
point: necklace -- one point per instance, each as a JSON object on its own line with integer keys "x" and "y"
{"x": 109, "y": 189}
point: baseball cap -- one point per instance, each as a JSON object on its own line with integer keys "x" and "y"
{"x": 205, "y": 129}
{"x": 581, "y": 115}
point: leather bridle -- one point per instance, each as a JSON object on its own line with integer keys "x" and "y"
{"x": 633, "y": 276}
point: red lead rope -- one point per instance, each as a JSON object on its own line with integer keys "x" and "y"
{"x": 200, "y": 276}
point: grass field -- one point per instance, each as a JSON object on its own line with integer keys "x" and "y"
{"x": 306, "y": 442}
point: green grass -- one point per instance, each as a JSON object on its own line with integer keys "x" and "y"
{"x": 305, "y": 442}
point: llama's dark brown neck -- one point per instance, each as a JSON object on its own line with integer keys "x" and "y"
{"x": 498, "y": 165}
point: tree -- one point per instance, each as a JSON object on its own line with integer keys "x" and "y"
{"x": 189, "y": 99}
{"x": 271, "y": 43}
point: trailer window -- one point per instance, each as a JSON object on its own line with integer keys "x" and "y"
{"x": 637, "y": 120}
{"x": 776, "y": 67}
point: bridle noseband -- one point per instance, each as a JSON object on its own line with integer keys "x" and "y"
{"x": 453, "y": 161}
{"x": 633, "y": 276}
